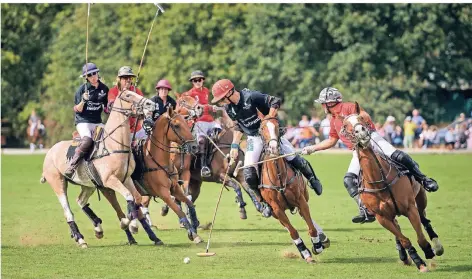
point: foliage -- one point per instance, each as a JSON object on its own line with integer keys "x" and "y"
{"x": 390, "y": 58}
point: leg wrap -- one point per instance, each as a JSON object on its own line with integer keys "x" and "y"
{"x": 133, "y": 209}
{"x": 74, "y": 231}
{"x": 401, "y": 251}
{"x": 428, "y": 252}
{"x": 415, "y": 257}
{"x": 89, "y": 212}
{"x": 192, "y": 213}
{"x": 304, "y": 252}
{"x": 147, "y": 228}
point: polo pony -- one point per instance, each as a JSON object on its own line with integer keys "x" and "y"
{"x": 283, "y": 188}
{"x": 388, "y": 191}
{"x": 111, "y": 159}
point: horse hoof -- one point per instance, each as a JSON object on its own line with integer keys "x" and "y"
{"x": 164, "y": 210}
{"x": 197, "y": 239}
{"x": 131, "y": 243}
{"x": 158, "y": 243}
{"x": 242, "y": 213}
{"x": 190, "y": 236}
{"x": 432, "y": 264}
{"x": 124, "y": 223}
{"x": 99, "y": 235}
{"x": 325, "y": 241}
{"x": 310, "y": 260}
{"x": 182, "y": 226}
{"x": 437, "y": 247}
{"x": 82, "y": 243}
{"x": 423, "y": 268}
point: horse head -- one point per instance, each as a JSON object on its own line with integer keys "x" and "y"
{"x": 270, "y": 134}
{"x": 134, "y": 103}
{"x": 187, "y": 106}
{"x": 173, "y": 127}
{"x": 355, "y": 129}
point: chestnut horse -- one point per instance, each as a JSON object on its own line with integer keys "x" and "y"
{"x": 160, "y": 174}
{"x": 388, "y": 192}
{"x": 283, "y": 188}
{"x": 112, "y": 162}
{"x": 189, "y": 170}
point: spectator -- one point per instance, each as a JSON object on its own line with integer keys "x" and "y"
{"x": 450, "y": 138}
{"x": 315, "y": 122}
{"x": 462, "y": 135}
{"x": 324, "y": 126}
{"x": 397, "y": 137}
{"x": 427, "y": 137}
{"x": 469, "y": 140}
{"x": 380, "y": 129}
{"x": 306, "y": 132}
{"x": 389, "y": 128}
{"x": 418, "y": 120}
{"x": 409, "y": 132}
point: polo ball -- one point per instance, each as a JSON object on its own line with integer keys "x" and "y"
{"x": 186, "y": 260}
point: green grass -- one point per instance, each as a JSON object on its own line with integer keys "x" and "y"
{"x": 36, "y": 243}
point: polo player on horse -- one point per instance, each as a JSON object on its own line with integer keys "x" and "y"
{"x": 331, "y": 100}
{"x": 243, "y": 107}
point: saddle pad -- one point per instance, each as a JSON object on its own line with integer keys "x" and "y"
{"x": 71, "y": 150}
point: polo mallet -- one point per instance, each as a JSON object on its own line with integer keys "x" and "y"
{"x": 209, "y": 254}
{"x": 159, "y": 8}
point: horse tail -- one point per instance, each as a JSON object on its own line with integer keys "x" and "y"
{"x": 43, "y": 179}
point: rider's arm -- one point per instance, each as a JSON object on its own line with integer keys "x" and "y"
{"x": 237, "y": 135}
{"x": 326, "y": 144}
{"x": 264, "y": 101}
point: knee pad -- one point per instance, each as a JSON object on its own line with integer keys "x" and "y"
{"x": 251, "y": 178}
{"x": 351, "y": 184}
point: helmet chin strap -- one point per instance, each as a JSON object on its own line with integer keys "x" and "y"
{"x": 228, "y": 97}
{"x": 330, "y": 106}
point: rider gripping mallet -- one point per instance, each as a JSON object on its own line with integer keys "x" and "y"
{"x": 209, "y": 254}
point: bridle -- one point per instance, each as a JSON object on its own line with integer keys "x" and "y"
{"x": 384, "y": 175}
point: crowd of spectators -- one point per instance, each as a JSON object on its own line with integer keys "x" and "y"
{"x": 414, "y": 132}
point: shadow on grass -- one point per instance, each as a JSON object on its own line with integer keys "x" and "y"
{"x": 457, "y": 268}
{"x": 361, "y": 260}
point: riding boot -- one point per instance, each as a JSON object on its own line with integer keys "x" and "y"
{"x": 205, "y": 170}
{"x": 83, "y": 149}
{"x": 351, "y": 184}
{"x": 252, "y": 180}
{"x": 302, "y": 165}
{"x": 401, "y": 157}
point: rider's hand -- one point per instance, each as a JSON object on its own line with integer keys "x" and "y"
{"x": 216, "y": 108}
{"x": 86, "y": 96}
{"x": 307, "y": 150}
{"x": 234, "y": 152}
{"x": 147, "y": 125}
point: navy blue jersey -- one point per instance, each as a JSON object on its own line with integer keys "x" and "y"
{"x": 245, "y": 111}
{"x": 160, "y": 107}
{"x": 92, "y": 112}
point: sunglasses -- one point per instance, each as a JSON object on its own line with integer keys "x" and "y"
{"x": 127, "y": 78}
{"x": 197, "y": 80}
{"x": 92, "y": 74}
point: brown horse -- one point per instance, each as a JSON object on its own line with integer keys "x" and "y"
{"x": 189, "y": 168}
{"x": 388, "y": 192}
{"x": 283, "y": 188}
{"x": 112, "y": 162}
{"x": 160, "y": 175}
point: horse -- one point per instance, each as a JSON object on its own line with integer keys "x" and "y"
{"x": 387, "y": 191}
{"x": 112, "y": 168}
{"x": 35, "y": 136}
{"x": 189, "y": 169}
{"x": 283, "y": 188}
{"x": 159, "y": 175}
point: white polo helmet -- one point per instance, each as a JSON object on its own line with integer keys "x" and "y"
{"x": 329, "y": 95}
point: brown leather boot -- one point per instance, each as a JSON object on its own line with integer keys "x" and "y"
{"x": 83, "y": 149}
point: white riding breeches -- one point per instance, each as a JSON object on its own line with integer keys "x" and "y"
{"x": 379, "y": 144}
{"x": 255, "y": 145}
{"x": 202, "y": 128}
{"x": 86, "y": 129}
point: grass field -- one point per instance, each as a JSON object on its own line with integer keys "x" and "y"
{"x": 36, "y": 243}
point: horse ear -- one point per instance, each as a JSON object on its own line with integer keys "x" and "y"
{"x": 170, "y": 111}
{"x": 177, "y": 95}
{"x": 358, "y": 109}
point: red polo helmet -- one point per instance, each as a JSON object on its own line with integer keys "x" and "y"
{"x": 163, "y": 83}
{"x": 220, "y": 89}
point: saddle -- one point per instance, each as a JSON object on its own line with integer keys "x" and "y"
{"x": 90, "y": 169}
{"x": 140, "y": 168}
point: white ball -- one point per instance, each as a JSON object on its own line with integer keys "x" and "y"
{"x": 187, "y": 260}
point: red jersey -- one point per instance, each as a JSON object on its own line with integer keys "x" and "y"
{"x": 202, "y": 97}
{"x": 336, "y": 123}
{"x": 113, "y": 93}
